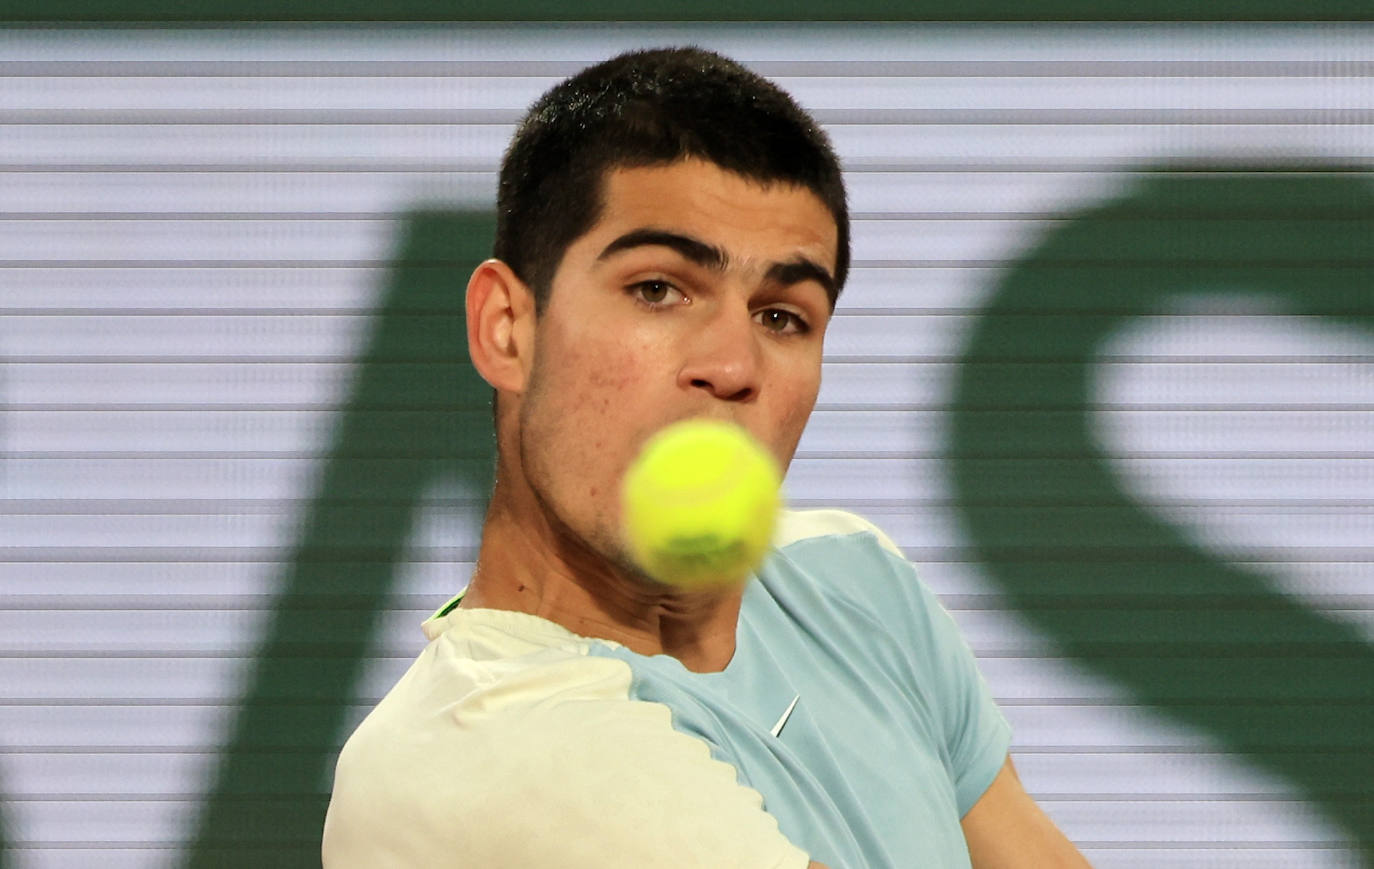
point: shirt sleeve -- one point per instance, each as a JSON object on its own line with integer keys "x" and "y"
{"x": 970, "y": 730}
{"x": 550, "y": 767}
{"x": 976, "y": 733}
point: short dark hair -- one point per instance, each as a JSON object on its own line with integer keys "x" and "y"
{"x": 646, "y": 108}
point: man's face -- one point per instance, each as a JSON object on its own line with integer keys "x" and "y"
{"x": 698, "y": 293}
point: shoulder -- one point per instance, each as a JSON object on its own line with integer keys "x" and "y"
{"x": 504, "y": 752}
{"x": 843, "y": 562}
{"x": 798, "y": 526}
{"x": 841, "y": 554}
{"x": 841, "y": 568}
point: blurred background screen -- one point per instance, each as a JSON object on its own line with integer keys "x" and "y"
{"x": 1104, "y": 370}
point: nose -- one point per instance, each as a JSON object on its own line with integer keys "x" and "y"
{"x": 724, "y": 358}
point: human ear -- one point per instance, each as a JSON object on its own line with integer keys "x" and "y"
{"x": 500, "y": 321}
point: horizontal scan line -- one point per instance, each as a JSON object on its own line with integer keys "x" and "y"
{"x": 1195, "y": 212}
{"x": 360, "y": 702}
{"x": 1060, "y": 601}
{"x": 1324, "y": 164}
{"x": 1037, "y": 553}
{"x": 279, "y": 506}
{"x": 463, "y": 359}
{"x": 856, "y": 67}
{"x": 1251, "y": 748}
{"x": 166, "y": 797}
{"x": 1016, "y": 751}
{"x": 275, "y": 846}
{"x": 1154, "y": 650}
{"x": 905, "y": 407}
{"x": 244, "y": 603}
{"x": 380, "y": 555}
{"x": 1171, "y": 263}
{"x": 279, "y": 845}
{"x": 367, "y": 702}
{"x": 843, "y": 312}
{"x": 1219, "y": 115}
{"x": 1053, "y": 797}
{"x": 1212, "y": 845}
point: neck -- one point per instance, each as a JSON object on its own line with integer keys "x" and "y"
{"x": 529, "y": 562}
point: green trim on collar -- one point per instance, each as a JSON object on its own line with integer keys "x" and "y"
{"x": 450, "y": 606}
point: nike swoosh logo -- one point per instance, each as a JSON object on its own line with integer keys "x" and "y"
{"x": 777, "y": 728}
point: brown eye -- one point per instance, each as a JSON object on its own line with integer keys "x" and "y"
{"x": 780, "y": 321}
{"x": 656, "y": 295}
{"x": 653, "y": 291}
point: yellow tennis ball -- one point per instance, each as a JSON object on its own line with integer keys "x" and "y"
{"x": 700, "y": 503}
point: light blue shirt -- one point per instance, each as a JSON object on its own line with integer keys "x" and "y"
{"x": 850, "y": 727}
{"x": 894, "y": 735}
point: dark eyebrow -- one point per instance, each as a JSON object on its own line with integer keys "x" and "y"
{"x": 800, "y": 270}
{"x": 694, "y": 250}
{"x": 691, "y": 249}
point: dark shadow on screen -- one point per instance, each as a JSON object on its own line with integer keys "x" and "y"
{"x": 417, "y": 412}
{"x": 1210, "y": 643}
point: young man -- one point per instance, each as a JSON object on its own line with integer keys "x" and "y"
{"x": 671, "y": 240}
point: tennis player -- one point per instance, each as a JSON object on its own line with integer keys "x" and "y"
{"x": 671, "y": 240}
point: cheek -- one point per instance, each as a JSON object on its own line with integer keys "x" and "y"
{"x": 797, "y": 405}
{"x": 582, "y": 397}
{"x": 600, "y": 380}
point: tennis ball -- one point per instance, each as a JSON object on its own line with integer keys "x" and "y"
{"x": 699, "y": 504}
